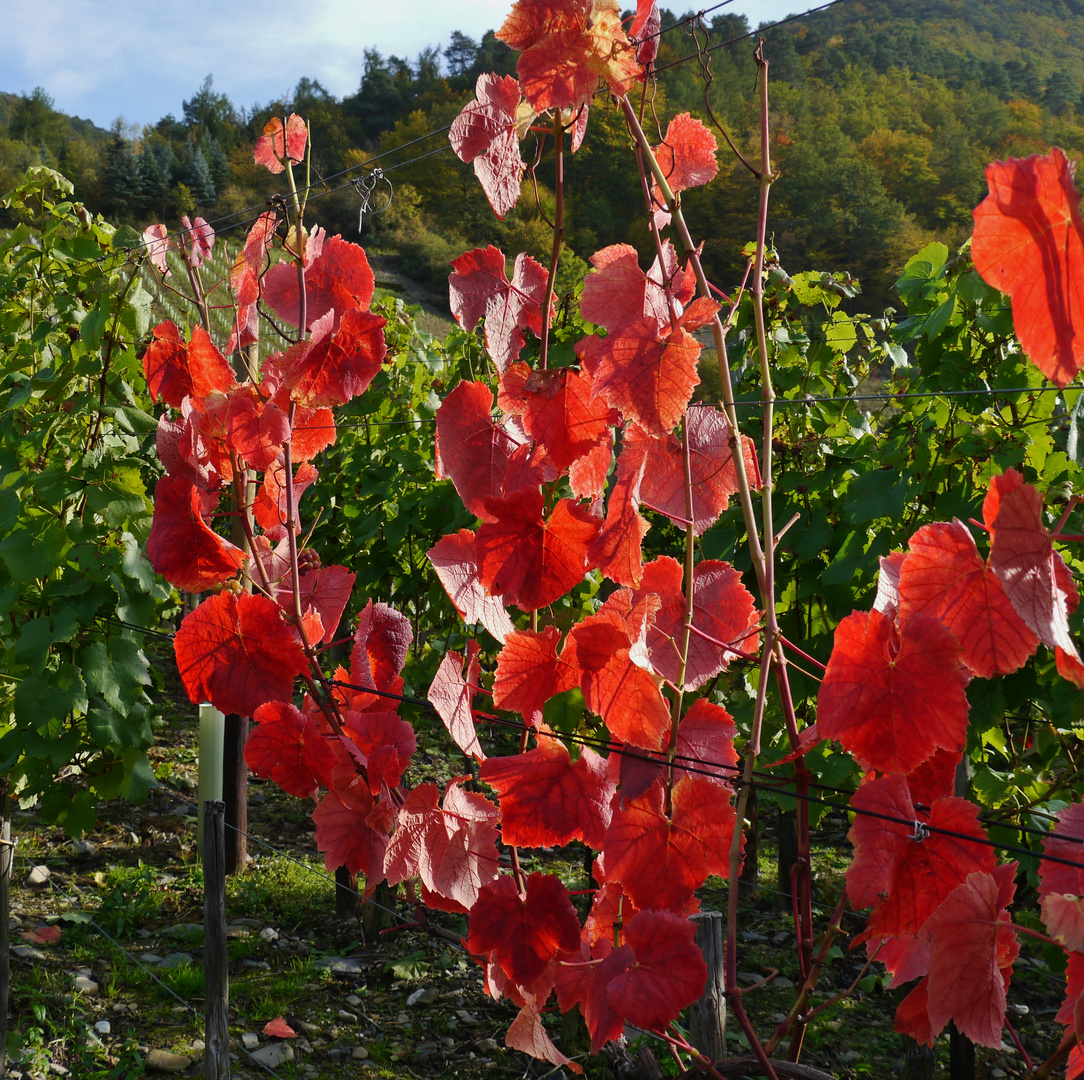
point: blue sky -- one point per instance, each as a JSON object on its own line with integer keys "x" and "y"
{"x": 140, "y": 59}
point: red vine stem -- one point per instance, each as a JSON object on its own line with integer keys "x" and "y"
{"x": 718, "y": 332}
{"x": 558, "y": 234}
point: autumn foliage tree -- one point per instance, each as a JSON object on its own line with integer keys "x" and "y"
{"x": 625, "y": 743}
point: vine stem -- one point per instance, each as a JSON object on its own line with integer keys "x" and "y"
{"x": 718, "y": 332}
{"x": 812, "y": 976}
{"x": 558, "y": 235}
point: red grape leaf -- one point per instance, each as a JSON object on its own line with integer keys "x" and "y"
{"x": 527, "y": 1034}
{"x": 245, "y": 279}
{"x": 485, "y": 133}
{"x": 279, "y": 1029}
{"x": 237, "y": 653}
{"x": 913, "y": 1016}
{"x": 935, "y": 777}
{"x": 182, "y": 451}
{"x": 723, "y": 610}
{"x": 176, "y": 369}
{"x": 277, "y": 143}
{"x": 905, "y": 879}
{"x": 472, "y": 451}
{"x": 547, "y": 799}
{"x": 907, "y": 957}
{"x": 892, "y": 698}
{"x": 705, "y": 748}
{"x": 1029, "y": 243}
{"x": 451, "y": 696}
{"x": 528, "y": 559}
{"x": 257, "y": 429}
{"x": 598, "y": 655}
{"x": 972, "y": 949}
{"x": 1063, "y": 915}
{"x": 480, "y": 289}
{"x": 661, "y": 861}
{"x": 618, "y": 551}
{"x": 381, "y": 643}
{"x": 198, "y": 242}
{"x": 558, "y": 412}
{"x": 181, "y": 546}
{"x": 386, "y": 741}
{"x": 156, "y": 241}
{"x": 887, "y": 600}
{"x": 42, "y": 935}
{"x": 313, "y": 431}
{"x": 522, "y": 934}
{"x": 669, "y": 971}
{"x": 686, "y": 155}
{"x": 648, "y": 375}
{"x": 944, "y": 576}
{"x": 332, "y": 368}
{"x": 586, "y": 985}
{"x": 1074, "y": 988}
{"x": 326, "y": 589}
{"x": 269, "y": 506}
{"x": 529, "y": 673}
{"x": 617, "y": 292}
{"x": 338, "y": 279}
{"x": 351, "y": 831}
{"x": 456, "y": 565}
{"x": 1025, "y": 562}
{"x": 587, "y": 475}
{"x": 645, "y": 30}
{"x": 566, "y": 47}
{"x": 452, "y": 850}
{"x": 714, "y": 476}
{"x": 286, "y": 746}
{"x": 1066, "y": 841}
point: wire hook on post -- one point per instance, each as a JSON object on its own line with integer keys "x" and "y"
{"x": 365, "y": 186}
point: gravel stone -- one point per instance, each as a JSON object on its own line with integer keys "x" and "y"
{"x": 164, "y": 1061}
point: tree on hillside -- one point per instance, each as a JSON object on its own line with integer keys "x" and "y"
{"x": 33, "y": 119}
{"x": 384, "y": 95}
{"x": 197, "y": 175}
{"x": 211, "y": 114}
{"x": 123, "y": 177}
{"x": 493, "y": 55}
{"x": 309, "y": 93}
{"x": 460, "y": 53}
{"x": 1059, "y": 93}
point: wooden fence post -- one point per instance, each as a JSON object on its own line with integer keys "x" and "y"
{"x": 235, "y": 791}
{"x": 707, "y": 1016}
{"x": 216, "y": 971}
{"x": 6, "y": 852}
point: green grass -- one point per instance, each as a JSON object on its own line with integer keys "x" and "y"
{"x": 278, "y": 889}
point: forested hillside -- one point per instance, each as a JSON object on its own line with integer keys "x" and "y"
{"x": 884, "y": 116}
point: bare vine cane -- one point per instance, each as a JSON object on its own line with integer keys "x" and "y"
{"x": 773, "y": 662}
{"x": 366, "y": 186}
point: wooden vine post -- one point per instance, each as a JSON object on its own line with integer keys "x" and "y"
{"x": 215, "y": 952}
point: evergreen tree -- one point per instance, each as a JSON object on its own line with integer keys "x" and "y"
{"x": 217, "y": 161}
{"x": 155, "y": 180}
{"x": 493, "y": 55}
{"x": 33, "y": 119}
{"x": 197, "y": 175}
{"x": 308, "y": 93}
{"x": 1059, "y": 93}
{"x": 382, "y": 98}
{"x": 123, "y": 178}
{"x": 460, "y": 54}
{"x": 209, "y": 113}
